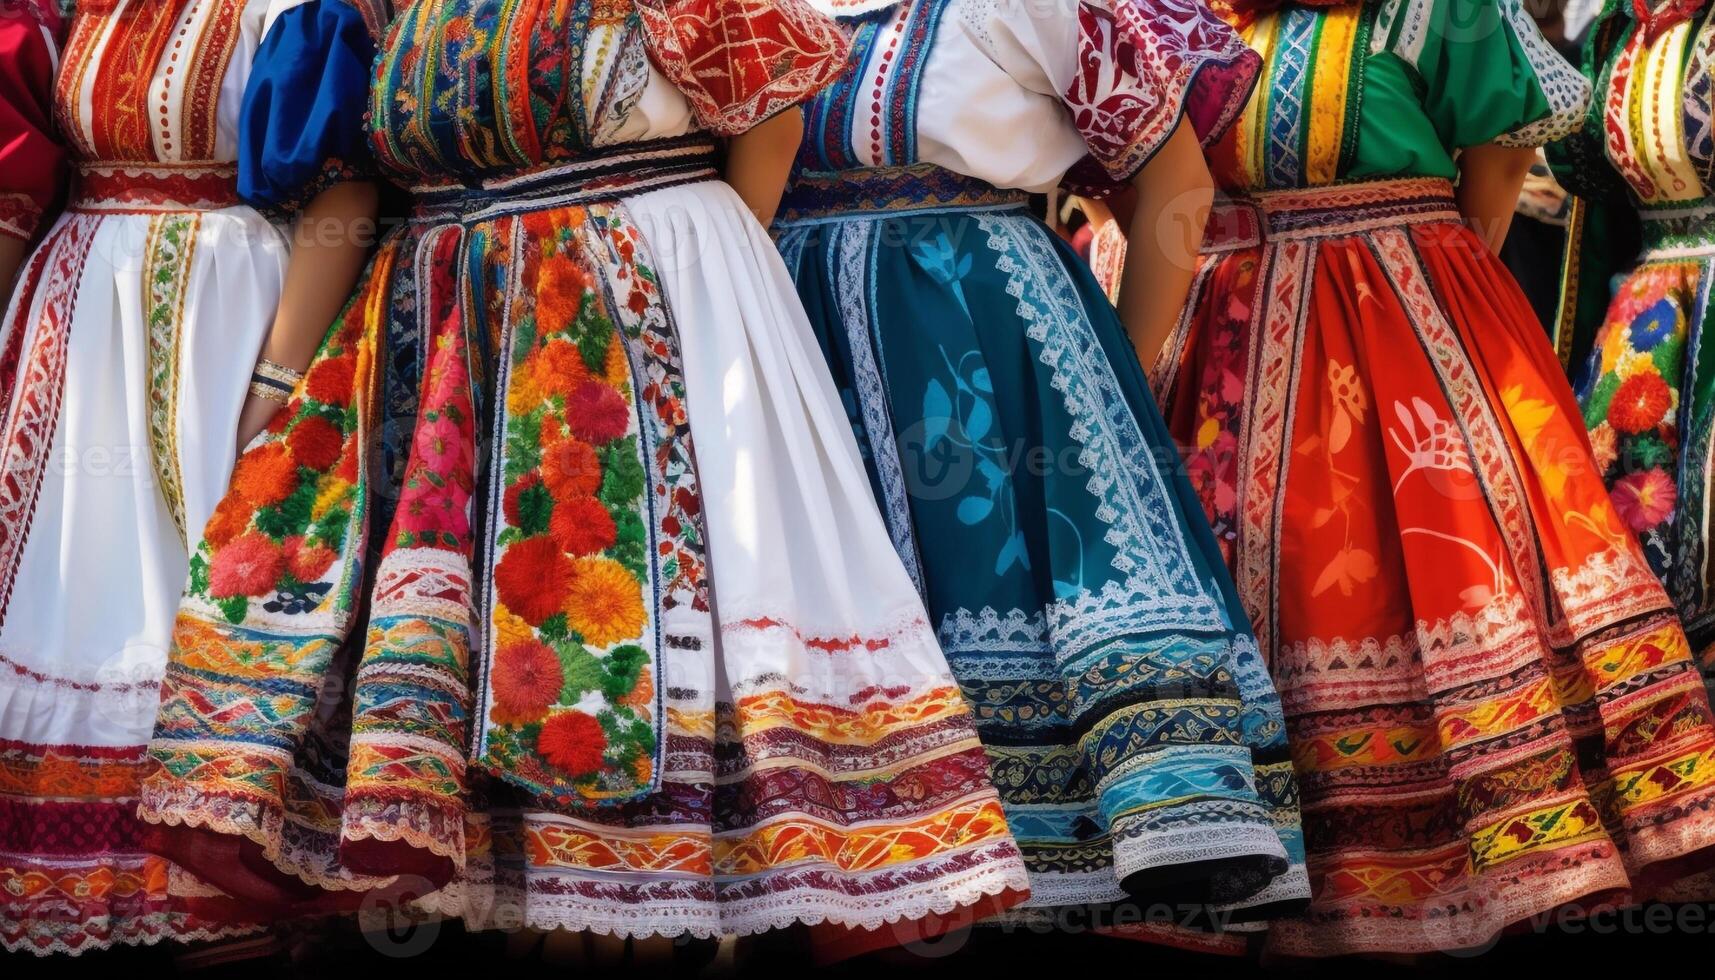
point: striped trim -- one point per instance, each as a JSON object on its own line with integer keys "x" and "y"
{"x": 1337, "y": 60}
{"x": 167, "y": 258}
{"x": 637, "y": 169}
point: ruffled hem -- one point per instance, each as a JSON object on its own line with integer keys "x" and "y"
{"x": 59, "y": 947}
{"x": 776, "y": 900}
{"x": 1589, "y": 875}
{"x": 440, "y": 835}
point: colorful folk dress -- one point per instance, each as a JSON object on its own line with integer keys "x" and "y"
{"x": 124, "y": 357}
{"x": 1492, "y": 707}
{"x": 569, "y": 489}
{"x": 1647, "y": 151}
{"x": 1027, "y": 479}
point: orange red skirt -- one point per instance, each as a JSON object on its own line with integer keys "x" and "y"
{"x": 1492, "y": 707}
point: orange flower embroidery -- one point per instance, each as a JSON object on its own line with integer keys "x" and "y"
{"x": 605, "y": 602}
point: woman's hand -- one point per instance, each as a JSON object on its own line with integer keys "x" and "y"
{"x": 1174, "y": 194}
{"x": 257, "y": 413}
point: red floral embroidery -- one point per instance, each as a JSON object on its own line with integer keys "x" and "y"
{"x": 742, "y": 61}
{"x": 1144, "y": 67}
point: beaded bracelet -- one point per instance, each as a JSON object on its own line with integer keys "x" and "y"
{"x": 273, "y": 381}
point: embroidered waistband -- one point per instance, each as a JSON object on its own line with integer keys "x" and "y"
{"x": 630, "y": 170}
{"x": 1686, "y": 230}
{"x": 1328, "y": 212}
{"x": 149, "y": 188}
{"x": 889, "y": 191}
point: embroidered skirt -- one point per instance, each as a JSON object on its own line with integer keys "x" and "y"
{"x": 1035, "y": 497}
{"x": 700, "y": 693}
{"x": 1492, "y": 707}
{"x": 127, "y": 350}
{"x": 1649, "y": 405}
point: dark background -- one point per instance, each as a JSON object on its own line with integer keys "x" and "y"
{"x": 1606, "y": 948}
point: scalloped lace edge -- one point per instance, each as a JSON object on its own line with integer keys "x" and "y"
{"x": 58, "y": 946}
{"x": 268, "y": 837}
{"x": 764, "y": 914}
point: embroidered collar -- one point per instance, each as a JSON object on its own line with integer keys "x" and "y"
{"x": 1663, "y": 15}
{"x": 852, "y": 8}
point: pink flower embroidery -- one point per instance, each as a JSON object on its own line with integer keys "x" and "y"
{"x": 1645, "y": 499}
{"x": 443, "y": 448}
{"x": 434, "y": 507}
{"x": 249, "y": 565}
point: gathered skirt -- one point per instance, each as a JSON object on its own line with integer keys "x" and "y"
{"x": 1033, "y": 493}
{"x": 127, "y": 351}
{"x": 1492, "y": 706}
{"x": 558, "y": 593}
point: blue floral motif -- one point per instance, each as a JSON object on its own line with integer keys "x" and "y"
{"x": 945, "y": 265}
{"x": 958, "y": 411}
{"x": 1655, "y": 324}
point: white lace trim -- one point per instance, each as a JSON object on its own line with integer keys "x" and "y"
{"x": 1192, "y": 845}
{"x": 1080, "y": 888}
{"x": 938, "y": 894}
{"x": 853, "y": 254}
{"x": 1605, "y": 589}
{"x": 1567, "y": 90}
{"x": 130, "y": 937}
{"x": 1159, "y": 591}
{"x": 281, "y": 835}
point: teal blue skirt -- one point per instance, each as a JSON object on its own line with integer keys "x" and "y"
{"x": 1034, "y": 494}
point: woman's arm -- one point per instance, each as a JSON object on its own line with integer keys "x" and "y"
{"x": 1174, "y": 193}
{"x": 331, "y": 241}
{"x": 760, "y": 160}
{"x": 12, "y": 253}
{"x": 1490, "y": 179}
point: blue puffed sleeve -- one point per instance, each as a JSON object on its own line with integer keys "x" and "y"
{"x": 301, "y": 129}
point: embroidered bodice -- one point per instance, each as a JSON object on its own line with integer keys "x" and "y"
{"x": 1016, "y": 94}
{"x": 1657, "y": 99}
{"x": 162, "y": 80}
{"x": 1392, "y": 88}
{"x": 175, "y": 85}
{"x": 477, "y": 89}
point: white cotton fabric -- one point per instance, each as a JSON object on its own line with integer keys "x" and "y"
{"x": 793, "y": 530}
{"x": 991, "y": 103}
{"x": 104, "y": 564}
{"x": 85, "y": 633}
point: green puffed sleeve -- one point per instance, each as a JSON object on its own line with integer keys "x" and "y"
{"x": 1487, "y": 74}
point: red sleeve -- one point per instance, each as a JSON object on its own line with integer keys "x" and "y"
{"x": 31, "y": 163}
{"x": 1144, "y": 67}
{"x": 741, "y": 61}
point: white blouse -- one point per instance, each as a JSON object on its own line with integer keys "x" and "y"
{"x": 1017, "y": 92}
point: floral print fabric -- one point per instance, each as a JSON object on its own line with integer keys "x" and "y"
{"x": 573, "y": 575}
{"x": 1492, "y": 708}
{"x": 551, "y": 721}
{"x": 1632, "y": 401}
